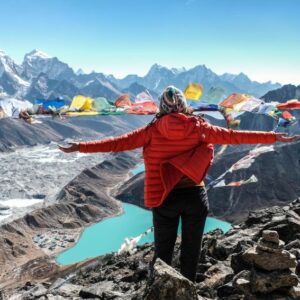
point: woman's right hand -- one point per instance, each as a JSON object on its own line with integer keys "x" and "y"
{"x": 72, "y": 148}
{"x": 284, "y": 138}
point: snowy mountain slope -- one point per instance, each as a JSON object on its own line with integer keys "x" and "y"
{"x": 11, "y": 80}
{"x": 36, "y": 62}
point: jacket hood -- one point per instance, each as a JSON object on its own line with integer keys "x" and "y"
{"x": 176, "y": 126}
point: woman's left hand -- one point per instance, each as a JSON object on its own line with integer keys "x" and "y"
{"x": 72, "y": 148}
{"x": 284, "y": 138}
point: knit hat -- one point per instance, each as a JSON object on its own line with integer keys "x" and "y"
{"x": 172, "y": 100}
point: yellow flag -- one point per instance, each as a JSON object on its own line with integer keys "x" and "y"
{"x": 193, "y": 91}
{"x": 81, "y": 103}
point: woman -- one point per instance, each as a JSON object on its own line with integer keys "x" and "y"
{"x": 178, "y": 151}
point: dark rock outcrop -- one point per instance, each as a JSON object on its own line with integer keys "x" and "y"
{"x": 282, "y": 94}
{"x": 169, "y": 284}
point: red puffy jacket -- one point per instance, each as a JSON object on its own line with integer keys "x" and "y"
{"x": 173, "y": 146}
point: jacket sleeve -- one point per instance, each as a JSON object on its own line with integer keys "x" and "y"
{"x": 131, "y": 140}
{"x": 219, "y": 135}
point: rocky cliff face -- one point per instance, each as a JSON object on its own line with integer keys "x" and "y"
{"x": 257, "y": 259}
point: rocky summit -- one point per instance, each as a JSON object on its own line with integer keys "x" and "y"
{"x": 257, "y": 259}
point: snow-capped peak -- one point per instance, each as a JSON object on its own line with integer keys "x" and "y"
{"x": 12, "y": 72}
{"x": 7, "y": 64}
{"x": 2, "y": 53}
{"x": 178, "y": 70}
{"x": 79, "y": 72}
{"x": 34, "y": 54}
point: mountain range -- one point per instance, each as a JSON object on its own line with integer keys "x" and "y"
{"x": 43, "y": 76}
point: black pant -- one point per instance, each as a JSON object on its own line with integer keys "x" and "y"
{"x": 191, "y": 205}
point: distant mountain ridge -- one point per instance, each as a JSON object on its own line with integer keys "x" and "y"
{"x": 286, "y": 92}
{"x": 43, "y": 76}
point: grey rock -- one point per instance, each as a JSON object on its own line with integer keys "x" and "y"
{"x": 226, "y": 245}
{"x": 283, "y": 230}
{"x": 102, "y": 290}
{"x": 294, "y": 224}
{"x": 241, "y": 282}
{"x": 270, "y": 236}
{"x": 218, "y": 275}
{"x": 293, "y": 214}
{"x": 227, "y": 290}
{"x": 295, "y": 252}
{"x": 169, "y": 284}
{"x": 37, "y": 291}
{"x": 69, "y": 290}
{"x": 57, "y": 283}
{"x": 238, "y": 264}
{"x": 278, "y": 219}
{"x": 269, "y": 261}
{"x": 270, "y": 246}
{"x": 293, "y": 244}
{"x": 262, "y": 282}
{"x": 294, "y": 292}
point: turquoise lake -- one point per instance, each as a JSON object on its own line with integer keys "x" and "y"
{"x": 140, "y": 168}
{"x": 108, "y": 235}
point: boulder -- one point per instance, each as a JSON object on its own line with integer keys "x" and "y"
{"x": 169, "y": 284}
{"x": 36, "y": 291}
{"x": 267, "y": 282}
{"x": 237, "y": 263}
{"x": 228, "y": 244}
{"x": 270, "y": 236}
{"x": 217, "y": 275}
{"x": 227, "y": 290}
{"x": 293, "y": 245}
{"x": 68, "y": 290}
{"x": 268, "y": 261}
{"x": 296, "y": 253}
{"x": 242, "y": 283}
{"x": 102, "y": 290}
{"x": 287, "y": 230}
{"x": 270, "y": 246}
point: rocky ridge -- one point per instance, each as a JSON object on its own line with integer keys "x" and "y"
{"x": 258, "y": 259}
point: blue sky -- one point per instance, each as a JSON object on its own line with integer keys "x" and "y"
{"x": 258, "y": 37}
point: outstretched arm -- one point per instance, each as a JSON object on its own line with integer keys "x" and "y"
{"x": 132, "y": 140}
{"x": 219, "y": 135}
